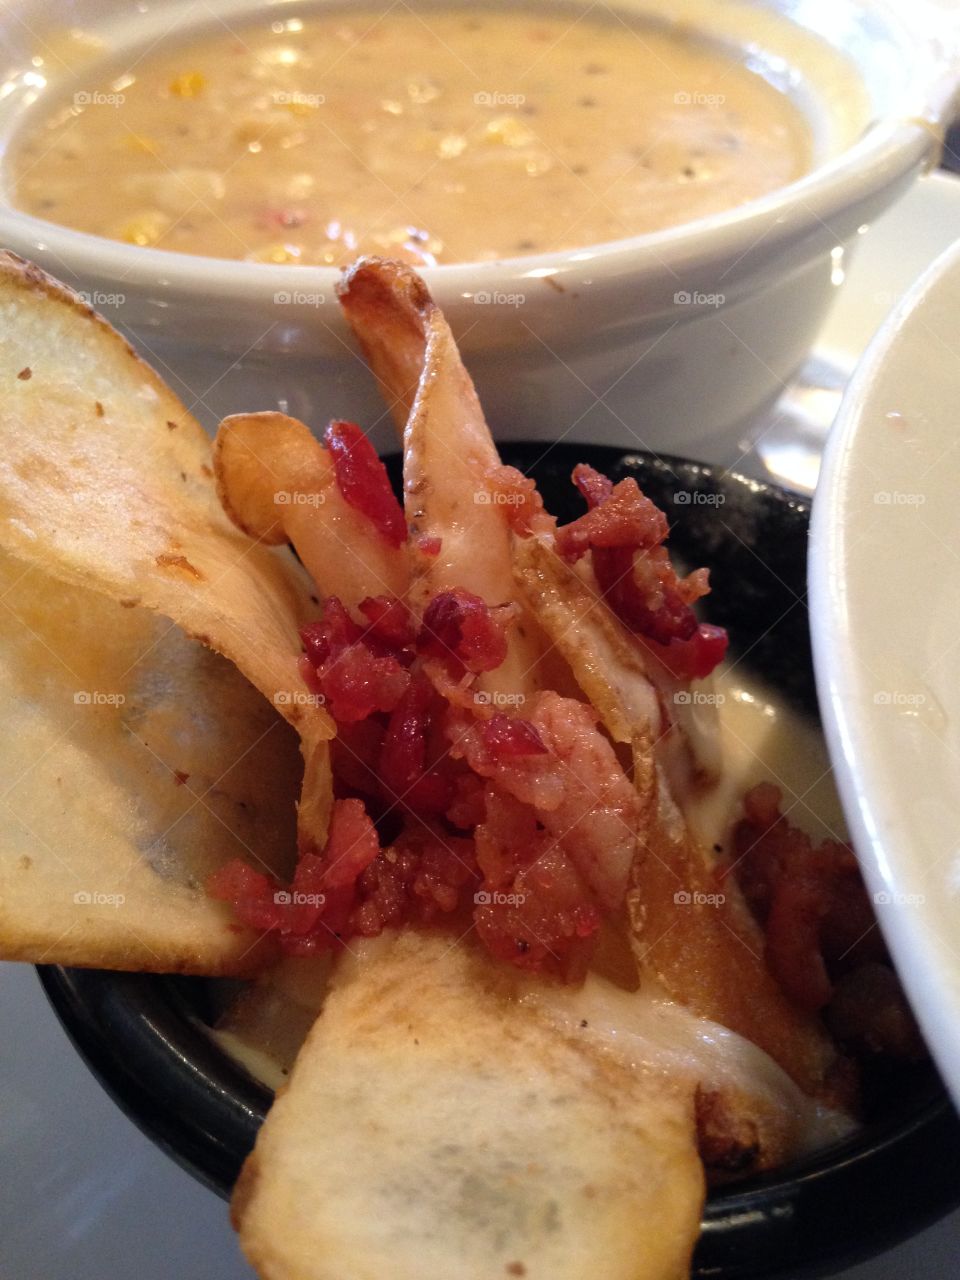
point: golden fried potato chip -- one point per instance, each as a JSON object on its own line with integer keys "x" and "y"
{"x": 605, "y": 662}
{"x": 106, "y": 482}
{"x": 277, "y": 482}
{"x": 135, "y": 762}
{"x": 448, "y": 453}
{"x": 433, "y": 1127}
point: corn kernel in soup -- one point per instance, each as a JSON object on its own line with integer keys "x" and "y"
{"x": 440, "y": 136}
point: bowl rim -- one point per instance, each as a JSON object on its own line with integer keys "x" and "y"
{"x": 157, "y": 1062}
{"x": 914, "y": 938}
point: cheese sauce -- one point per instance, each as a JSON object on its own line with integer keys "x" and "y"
{"x": 439, "y": 136}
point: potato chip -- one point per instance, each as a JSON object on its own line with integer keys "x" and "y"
{"x": 135, "y": 762}
{"x": 448, "y": 453}
{"x": 106, "y": 482}
{"x": 277, "y": 482}
{"x": 433, "y": 1127}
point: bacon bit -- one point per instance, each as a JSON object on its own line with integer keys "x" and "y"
{"x": 519, "y": 495}
{"x": 427, "y": 545}
{"x": 423, "y": 876}
{"x": 167, "y": 561}
{"x": 624, "y": 532}
{"x": 619, "y": 516}
{"x": 251, "y": 894}
{"x": 172, "y": 426}
{"x": 695, "y": 658}
{"x": 355, "y": 678}
{"x": 463, "y": 632}
{"x": 362, "y": 480}
{"x": 352, "y": 844}
{"x": 810, "y": 900}
{"x": 327, "y": 637}
{"x": 403, "y": 757}
{"x": 595, "y": 488}
{"x": 357, "y": 682}
{"x": 508, "y": 736}
{"x": 306, "y": 916}
{"x": 390, "y": 621}
{"x": 533, "y": 909}
{"x": 25, "y": 374}
{"x": 98, "y": 408}
{"x": 180, "y": 777}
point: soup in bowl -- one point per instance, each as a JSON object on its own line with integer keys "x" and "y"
{"x": 467, "y": 136}
{"x": 635, "y": 219}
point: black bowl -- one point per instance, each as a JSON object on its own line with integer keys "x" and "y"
{"x": 145, "y": 1037}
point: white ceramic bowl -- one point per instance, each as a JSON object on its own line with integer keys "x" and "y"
{"x": 605, "y": 345}
{"x": 884, "y": 605}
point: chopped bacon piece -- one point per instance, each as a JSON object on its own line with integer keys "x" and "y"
{"x": 810, "y": 899}
{"x": 403, "y": 757}
{"x": 619, "y": 516}
{"x": 521, "y": 500}
{"x": 695, "y": 658}
{"x": 462, "y": 631}
{"x": 577, "y": 789}
{"x": 355, "y": 674}
{"x": 306, "y": 916}
{"x": 330, "y": 634}
{"x": 389, "y": 622}
{"x": 351, "y": 846}
{"x": 356, "y": 683}
{"x": 423, "y": 875}
{"x": 624, "y": 532}
{"x": 508, "y": 736}
{"x": 533, "y": 909}
{"x": 362, "y": 479}
{"x": 595, "y": 488}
